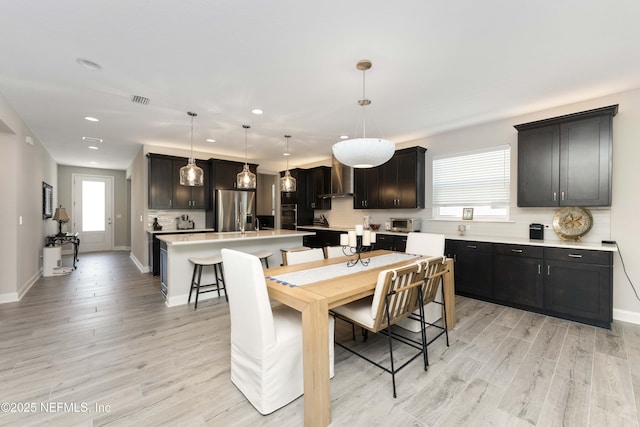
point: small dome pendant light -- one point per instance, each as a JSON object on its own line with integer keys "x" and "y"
{"x": 246, "y": 179}
{"x": 287, "y": 182}
{"x": 191, "y": 175}
{"x": 363, "y": 152}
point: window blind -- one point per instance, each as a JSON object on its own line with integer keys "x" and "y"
{"x": 479, "y": 178}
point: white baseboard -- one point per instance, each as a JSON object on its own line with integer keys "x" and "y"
{"x": 122, "y": 248}
{"x": 142, "y": 268}
{"x": 15, "y": 296}
{"x": 9, "y": 297}
{"x": 626, "y": 316}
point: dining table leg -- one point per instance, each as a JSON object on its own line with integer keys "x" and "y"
{"x": 449, "y": 292}
{"x": 315, "y": 354}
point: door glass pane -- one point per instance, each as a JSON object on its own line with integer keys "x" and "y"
{"x": 93, "y": 209}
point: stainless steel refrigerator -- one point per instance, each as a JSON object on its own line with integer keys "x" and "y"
{"x": 233, "y": 206}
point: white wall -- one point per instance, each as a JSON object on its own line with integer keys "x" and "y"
{"x": 23, "y": 168}
{"x": 615, "y": 223}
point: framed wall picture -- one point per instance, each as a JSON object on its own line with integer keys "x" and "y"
{"x": 467, "y": 213}
{"x": 47, "y": 201}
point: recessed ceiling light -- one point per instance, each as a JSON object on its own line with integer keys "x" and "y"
{"x": 92, "y": 147}
{"x": 286, "y": 154}
{"x": 344, "y": 137}
{"x": 94, "y": 163}
{"x": 210, "y": 140}
{"x": 91, "y": 119}
{"x": 257, "y": 111}
{"x": 91, "y": 139}
{"x": 88, "y": 64}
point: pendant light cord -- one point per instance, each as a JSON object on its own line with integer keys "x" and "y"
{"x": 192, "y": 115}
{"x": 246, "y": 150}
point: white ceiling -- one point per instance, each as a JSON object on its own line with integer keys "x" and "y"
{"x": 437, "y": 65}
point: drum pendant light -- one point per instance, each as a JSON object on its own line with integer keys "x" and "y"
{"x": 246, "y": 179}
{"x": 363, "y": 152}
{"x": 287, "y": 182}
{"x": 191, "y": 175}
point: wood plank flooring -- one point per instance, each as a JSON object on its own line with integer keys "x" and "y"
{"x": 99, "y": 347}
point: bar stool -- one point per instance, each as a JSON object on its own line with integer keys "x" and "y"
{"x": 198, "y": 263}
{"x": 263, "y": 255}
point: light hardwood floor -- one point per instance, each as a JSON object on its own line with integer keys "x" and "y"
{"x": 103, "y": 340}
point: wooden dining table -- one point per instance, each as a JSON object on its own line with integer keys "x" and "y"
{"x": 313, "y": 301}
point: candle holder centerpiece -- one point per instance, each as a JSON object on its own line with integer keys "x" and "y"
{"x": 357, "y": 242}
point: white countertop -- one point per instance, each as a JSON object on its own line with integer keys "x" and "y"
{"x": 496, "y": 239}
{"x": 547, "y": 243}
{"x": 204, "y": 238}
{"x": 174, "y": 231}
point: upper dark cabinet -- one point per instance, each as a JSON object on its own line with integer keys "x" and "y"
{"x": 165, "y": 191}
{"x": 224, "y": 173}
{"x": 401, "y": 180}
{"x": 566, "y": 161}
{"x": 365, "y": 188}
{"x": 318, "y": 183}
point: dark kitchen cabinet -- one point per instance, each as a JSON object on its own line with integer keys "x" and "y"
{"x": 401, "y": 182}
{"x": 165, "y": 191}
{"x": 160, "y": 182}
{"x": 473, "y": 271}
{"x": 566, "y": 161}
{"x": 391, "y": 242}
{"x": 225, "y": 173}
{"x": 578, "y": 285}
{"x": 185, "y": 197}
{"x": 322, "y": 238}
{"x": 518, "y": 274}
{"x": 365, "y": 188}
{"x": 318, "y": 184}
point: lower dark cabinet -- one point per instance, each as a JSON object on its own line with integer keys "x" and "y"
{"x": 473, "y": 270}
{"x": 391, "y": 242}
{"x": 518, "y": 277}
{"x": 321, "y": 239}
{"x": 578, "y": 288}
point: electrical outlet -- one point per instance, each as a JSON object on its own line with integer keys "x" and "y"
{"x": 461, "y": 228}
{"x": 20, "y": 219}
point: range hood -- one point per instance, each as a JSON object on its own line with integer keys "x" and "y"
{"x": 341, "y": 180}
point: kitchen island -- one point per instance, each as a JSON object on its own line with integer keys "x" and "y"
{"x": 176, "y": 249}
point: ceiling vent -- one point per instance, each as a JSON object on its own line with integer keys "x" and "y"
{"x": 140, "y": 99}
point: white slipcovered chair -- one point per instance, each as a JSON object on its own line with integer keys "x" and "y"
{"x": 333, "y": 252}
{"x": 266, "y": 344}
{"x": 298, "y": 257}
{"x": 426, "y": 244}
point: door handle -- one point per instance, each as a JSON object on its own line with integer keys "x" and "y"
{"x": 539, "y": 269}
{"x": 472, "y": 246}
{"x": 575, "y": 256}
{"x": 555, "y": 196}
{"x": 518, "y": 251}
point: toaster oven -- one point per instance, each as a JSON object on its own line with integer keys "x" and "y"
{"x": 405, "y": 225}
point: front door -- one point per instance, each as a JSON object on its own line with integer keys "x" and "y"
{"x": 93, "y": 212}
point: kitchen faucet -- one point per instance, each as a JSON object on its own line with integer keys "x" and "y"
{"x": 257, "y": 224}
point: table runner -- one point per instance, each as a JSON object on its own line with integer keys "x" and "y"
{"x": 317, "y": 274}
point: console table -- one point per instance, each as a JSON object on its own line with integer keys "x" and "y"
{"x": 66, "y": 238}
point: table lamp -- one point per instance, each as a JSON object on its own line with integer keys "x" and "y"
{"x": 61, "y": 216}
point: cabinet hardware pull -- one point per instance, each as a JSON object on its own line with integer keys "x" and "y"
{"x": 169, "y": 202}
{"x": 472, "y": 246}
{"x": 562, "y": 193}
{"x": 555, "y": 196}
{"x": 539, "y": 269}
{"x": 575, "y": 256}
{"x": 518, "y": 251}
{"x": 548, "y": 270}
